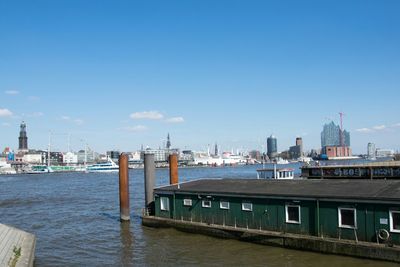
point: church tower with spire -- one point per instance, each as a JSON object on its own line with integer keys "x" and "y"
{"x": 168, "y": 146}
{"x": 23, "y": 138}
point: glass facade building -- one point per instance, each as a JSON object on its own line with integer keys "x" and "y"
{"x": 330, "y": 136}
{"x": 272, "y": 146}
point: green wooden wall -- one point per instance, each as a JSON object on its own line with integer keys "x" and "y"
{"x": 270, "y": 214}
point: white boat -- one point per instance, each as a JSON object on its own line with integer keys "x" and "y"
{"x": 281, "y": 161}
{"x": 275, "y": 173}
{"x": 5, "y": 168}
{"x": 38, "y": 169}
{"x": 109, "y": 166}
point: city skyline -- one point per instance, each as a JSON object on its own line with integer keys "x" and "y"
{"x": 117, "y": 75}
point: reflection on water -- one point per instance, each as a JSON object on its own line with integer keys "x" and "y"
{"x": 75, "y": 217}
{"x": 126, "y": 236}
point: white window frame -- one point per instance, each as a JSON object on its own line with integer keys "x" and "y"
{"x": 340, "y": 218}
{"x": 187, "y": 202}
{"x": 224, "y": 207}
{"x": 164, "y": 203}
{"x": 244, "y": 208}
{"x": 391, "y": 221}
{"x": 287, "y": 206}
{"x": 203, "y": 203}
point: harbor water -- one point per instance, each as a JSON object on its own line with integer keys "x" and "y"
{"x": 75, "y": 217}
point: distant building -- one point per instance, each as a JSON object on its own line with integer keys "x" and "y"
{"x": 299, "y": 142}
{"x": 186, "y": 156}
{"x": 23, "y": 138}
{"x": 371, "y": 151}
{"x": 381, "y": 152}
{"x": 337, "y": 151}
{"x": 330, "y": 135}
{"x": 272, "y": 147}
{"x": 160, "y": 155}
{"x": 331, "y": 143}
{"x": 313, "y": 153}
{"x": 34, "y": 158}
{"x": 113, "y": 155}
{"x": 56, "y": 158}
{"x": 216, "y": 152}
{"x": 70, "y": 158}
{"x": 87, "y": 156}
{"x": 168, "y": 146}
{"x": 255, "y": 154}
{"x": 8, "y": 154}
{"x": 296, "y": 151}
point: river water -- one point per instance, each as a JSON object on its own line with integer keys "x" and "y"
{"x": 75, "y": 217}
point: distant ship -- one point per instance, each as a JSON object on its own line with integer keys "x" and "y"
{"x": 204, "y": 158}
{"x": 108, "y": 166}
{"x": 38, "y": 169}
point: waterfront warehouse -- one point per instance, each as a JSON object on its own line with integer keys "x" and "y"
{"x": 352, "y": 212}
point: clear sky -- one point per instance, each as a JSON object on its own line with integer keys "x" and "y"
{"x": 118, "y": 74}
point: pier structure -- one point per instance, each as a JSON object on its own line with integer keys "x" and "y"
{"x": 358, "y": 218}
{"x": 17, "y": 247}
{"x": 375, "y": 170}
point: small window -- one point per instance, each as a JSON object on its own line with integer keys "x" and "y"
{"x": 293, "y": 214}
{"x": 206, "y": 203}
{"x": 347, "y": 218}
{"x": 164, "y": 201}
{"x": 394, "y": 221}
{"x": 247, "y": 206}
{"x": 224, "y": 205}
{"x": 187, "y": 202}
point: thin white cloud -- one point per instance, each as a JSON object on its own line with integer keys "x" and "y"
{"x": 5, "y": 112}
{"x": 149, "y": 115}
{"x": 65, "y": 118}
{"x": 379, "y": 127}
{"x": 11, "y": 92}
{"x": 33, "y": 98}
{"x": 79, "y": 121}
{"x": 175, "y": 120}
{"x": 35, "y": 114}
{"x": 135, "y": 129}
{"x": 6, "y": 124}
{"x": 364, "y": 130}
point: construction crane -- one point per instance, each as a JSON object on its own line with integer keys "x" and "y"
{"x": 341, "y": 135}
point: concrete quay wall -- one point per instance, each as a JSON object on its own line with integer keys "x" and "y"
{"x": 301, "y": 242}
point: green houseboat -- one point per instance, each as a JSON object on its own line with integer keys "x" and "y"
{"x": 354, "y": 211}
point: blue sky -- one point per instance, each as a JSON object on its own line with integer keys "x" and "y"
{"x": 118, "y": 74}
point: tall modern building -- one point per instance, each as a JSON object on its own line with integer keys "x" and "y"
{"x": 371, "y": 151}
{"x": 23, "y": 138}
{"x": 272, "y": 147}
{"x": 168, "y": 146}
{"x": 216, "y": 150}
{"x": 299, "y": 142}
{"x": 330, "y": 135}
{"x": 296, "y": 151}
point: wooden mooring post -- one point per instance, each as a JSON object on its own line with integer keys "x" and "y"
{"x": 173, "y": 169}
{"x": 124, "y": 188}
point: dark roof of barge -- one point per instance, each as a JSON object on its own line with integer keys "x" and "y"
{"x": 338, "y": 189}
